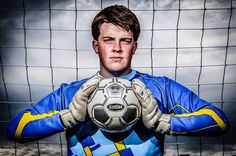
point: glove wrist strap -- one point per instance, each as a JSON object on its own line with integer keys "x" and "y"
{"x": 164, "y": 124}
{"x": 165, "y": 118}
{"x": 67, "y": 118}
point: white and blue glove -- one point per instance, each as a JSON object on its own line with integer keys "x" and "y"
{"x": 77, "y": 110}
{"x": 151, "y": 114}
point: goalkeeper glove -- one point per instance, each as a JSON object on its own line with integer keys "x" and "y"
{"x": 77, "y": 110}
{"x": 151, "y": 114}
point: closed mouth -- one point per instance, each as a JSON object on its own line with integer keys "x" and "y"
{"x": 116, "y": 58}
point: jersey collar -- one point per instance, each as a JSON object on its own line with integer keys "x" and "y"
{"x": 129, "y": 76}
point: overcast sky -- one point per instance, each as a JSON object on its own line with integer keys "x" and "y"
{"x": 172, "y": 43}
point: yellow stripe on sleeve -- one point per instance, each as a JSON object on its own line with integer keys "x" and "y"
{"x": 209, "y": 112}
{"x": 28, "y": 117}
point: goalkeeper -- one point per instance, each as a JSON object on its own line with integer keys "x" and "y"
{"x": 167, "y": 107}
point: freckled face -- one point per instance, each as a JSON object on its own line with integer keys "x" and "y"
{"x": 115, "y": 47}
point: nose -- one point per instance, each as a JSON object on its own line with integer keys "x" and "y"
{"x": 117, "y": 47}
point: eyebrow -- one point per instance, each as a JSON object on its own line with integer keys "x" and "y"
{"x": 107, "y": 37}
{"x": 122, "y": 38}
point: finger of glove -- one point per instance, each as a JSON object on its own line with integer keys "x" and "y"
{"x": 151, "y": 122}
{"x": 152, "y": 106}
{"x": 151, "y": 118}
{"x": 78, "y": 111}
{"x": 78, "y": 102}
{"x": 143, "y": 94}
{"x": 90, "y": 85}
{"x": 149, "y": 109}
{"x": 149, "y": 113}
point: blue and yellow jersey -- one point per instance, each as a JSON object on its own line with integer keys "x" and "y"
{"x": 190, "y": 115}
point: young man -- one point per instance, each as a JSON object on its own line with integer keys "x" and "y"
{"x": 167, "y": 107}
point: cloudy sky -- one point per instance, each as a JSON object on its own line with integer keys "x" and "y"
{"x": 48, "y": 42}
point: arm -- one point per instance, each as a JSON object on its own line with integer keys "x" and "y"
{"x": 186, "y": 113}
{"x": 191, "y": 115}
{"x": 40, "y": 120}
{"x": 49, "y": 115}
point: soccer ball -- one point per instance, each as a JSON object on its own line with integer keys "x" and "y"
{"x": 113, "y": 106}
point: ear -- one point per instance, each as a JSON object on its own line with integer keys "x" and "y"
{"x": 95, "y": 46}
{"x": 135, "y": 47}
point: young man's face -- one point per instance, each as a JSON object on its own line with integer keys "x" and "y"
{"x": 115, "y": 47}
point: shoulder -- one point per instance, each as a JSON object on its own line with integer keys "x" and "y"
{"x": 150, "y": 79}
{"x": 68, "y": 89}
{"x": 161, "y": 82}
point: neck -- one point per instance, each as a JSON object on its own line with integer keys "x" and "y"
{"x": 108, "y": 74}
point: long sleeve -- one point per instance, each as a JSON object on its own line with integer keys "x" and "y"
{"x": 191, "y": 115}
{"x": 40, "y": 120}
{"x": 43, "y": 118}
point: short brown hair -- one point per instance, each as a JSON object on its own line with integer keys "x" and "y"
{"x": 119, "y": 16}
